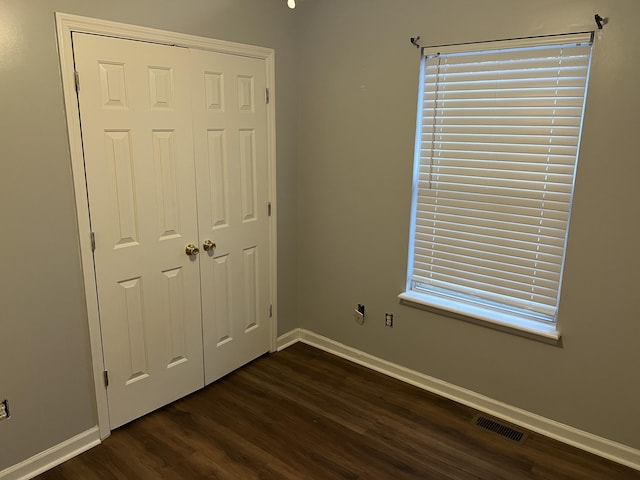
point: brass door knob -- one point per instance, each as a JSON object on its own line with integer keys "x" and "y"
{"x": 208, "y": 246}
{"x": 191, "y": 249}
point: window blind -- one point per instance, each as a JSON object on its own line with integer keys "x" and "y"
{"x": 496, "y": 154}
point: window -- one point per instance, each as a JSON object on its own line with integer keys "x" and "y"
{"x": 497, "y": 141}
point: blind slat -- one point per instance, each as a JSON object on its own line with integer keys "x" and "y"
{"x": 506, "y": 121}
{"x": 500, "y": 178}
{"x": 487, "y": 219}
{"x": 498, "y": 277}
{"x": 547, "y": 269}
{"x": 426, "y": 188}
{"x": 521, "y": 272}
{"x": 513, "y": 236}
{"x": 521, "y": 157}
{"x": 492, "y": 285}
{"x": 491, "y": 202}
{"x": 470, "y": 205}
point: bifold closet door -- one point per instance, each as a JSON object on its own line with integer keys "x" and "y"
{"x": 137, "y": 135}
{"x": 230, "y": 131}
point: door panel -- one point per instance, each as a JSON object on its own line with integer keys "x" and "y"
{"x": 230, "y": 132}
{"x": 138, "y": 143}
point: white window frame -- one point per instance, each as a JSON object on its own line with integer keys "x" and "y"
{"x": 454, "y": 303}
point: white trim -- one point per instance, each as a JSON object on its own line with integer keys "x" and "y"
{"x": 53, "y": 456}
{"x": 288, "y": 339}
{"x": 487, "y": 317}
{"x": 273, "y": 227}
{"x": 66, "y": 24}
{"x": 65, "y": 51}
{"x": 586, "y": 441}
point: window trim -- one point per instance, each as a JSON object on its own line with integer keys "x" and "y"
{"x": 516, "y": 325}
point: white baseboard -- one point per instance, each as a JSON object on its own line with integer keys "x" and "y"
{"x": 602, "y": 447}
{"x": 53, "y": 456}
{"x": 288, "y": 339}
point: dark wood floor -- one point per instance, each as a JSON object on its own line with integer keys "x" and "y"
{"x": 305, "y": 414}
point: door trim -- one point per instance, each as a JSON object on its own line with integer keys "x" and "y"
{"x": 66, "y": 25}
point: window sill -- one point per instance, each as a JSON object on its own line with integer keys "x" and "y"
{"x": 484, "y": 317}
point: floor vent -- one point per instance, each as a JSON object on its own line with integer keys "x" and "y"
{"x": 500, "y": 428}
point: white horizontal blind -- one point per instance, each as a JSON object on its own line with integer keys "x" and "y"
{"x": 498, "y": 145}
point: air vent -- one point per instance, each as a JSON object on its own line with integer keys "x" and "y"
{"x": 500, "y": 428}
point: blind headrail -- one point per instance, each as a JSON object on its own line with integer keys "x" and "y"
{"x": 584, "y": 38}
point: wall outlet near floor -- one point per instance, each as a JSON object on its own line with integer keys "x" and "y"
{"x": 4, "y": 410}
{"x": 358, "y": 314}
{"x": 388, "y": 320}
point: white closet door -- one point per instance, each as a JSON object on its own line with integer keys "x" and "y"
{"x": 230, "y": 129}
{"x": 138, "y": 145}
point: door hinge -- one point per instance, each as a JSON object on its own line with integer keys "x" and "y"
{"x": 270, "y": 310}
{"x": 267, "y": 96}
{"x": 77, "y": 77}
{"x": 269, "y": 208}
{"x": 106, "y": 378}
{"x": 93, "y": 242}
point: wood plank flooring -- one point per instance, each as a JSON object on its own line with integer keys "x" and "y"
{"x": 305, "y": 414}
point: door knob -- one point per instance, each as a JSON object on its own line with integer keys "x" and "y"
{"x": 208, "y": 246}
{"x": 191, "y": 249}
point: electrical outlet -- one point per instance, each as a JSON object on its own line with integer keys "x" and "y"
{"x": 388, "y": 320}
{"x": 358, "y": 314}
{"x": 4, "y": 410}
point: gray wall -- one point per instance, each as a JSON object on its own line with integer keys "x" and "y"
{"x": 45, "y": 367}
{"x": 357, "y": 119}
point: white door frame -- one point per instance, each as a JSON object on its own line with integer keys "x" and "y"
{"x": 66, "y": 24}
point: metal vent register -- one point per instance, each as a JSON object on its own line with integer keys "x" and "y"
{"x": 500, "y": 428}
